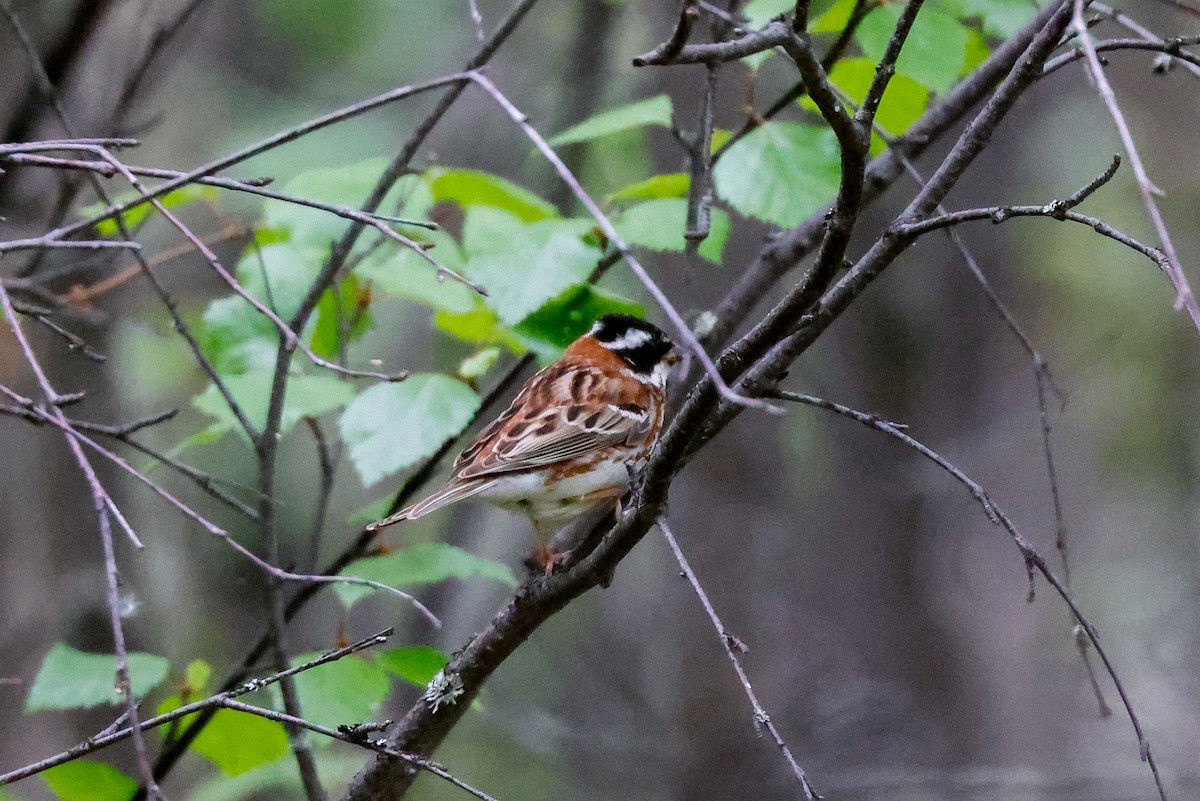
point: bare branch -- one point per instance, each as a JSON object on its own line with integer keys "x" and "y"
{"x": 770, "y": 37}
{"x": 733, "y": 647}
{"x": 1174, "y": 267}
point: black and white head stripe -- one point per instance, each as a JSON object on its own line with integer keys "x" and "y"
{"x": 640, "y": 344}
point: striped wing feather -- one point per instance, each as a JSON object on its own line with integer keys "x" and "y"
{"x": 567, "y": 411}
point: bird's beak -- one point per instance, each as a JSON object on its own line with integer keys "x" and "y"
{"x": 673, "y": 357}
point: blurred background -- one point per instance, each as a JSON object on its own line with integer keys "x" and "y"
{"x": 888, "y": 628}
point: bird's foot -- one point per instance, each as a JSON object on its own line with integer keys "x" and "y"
{"x": 546, "y": 560}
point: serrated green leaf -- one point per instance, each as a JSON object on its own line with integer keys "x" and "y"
{"x": 306, "y": 396}
{"x": 347, "y": 691}
{"x": 781, "y": 172}
{"x": 567, "y": 317}
{"x": 659, "y": 225}
{"x": 234, "y": 741}
{"x": 651, "y": 111}
{"x": 88, "y": 780}
{"x": 70, "y": 679}
{"x": 416, "y": 664}
{"x": 537, "y": 263}
{"x": 933, "y": 53}
{"x": 424, "y": 563}
{"x": 471, "y": 187}
{"x": 674, "y": 184}
{"x": 390, "y": 426}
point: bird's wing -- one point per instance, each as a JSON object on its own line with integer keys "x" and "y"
{"x": 566, "y": 411}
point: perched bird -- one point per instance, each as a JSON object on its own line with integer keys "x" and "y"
{"x": 572, "y": 438}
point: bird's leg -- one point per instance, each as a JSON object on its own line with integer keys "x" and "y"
{"x": 543, "y": 557}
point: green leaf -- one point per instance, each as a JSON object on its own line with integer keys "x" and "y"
{"x": 652, "y": 111}
{"x": 403, "y": 273}
{"x": 138, "y": 214}
{"x": 280, "y": 275}
{"x": 659, "y": 225}
{"x": 344, "y": 185}
{"x": 347, "y": 691}
{"x": 977, "y": 51}
{"x": 719, "y": 137}
{"x": 480, "y": 325}
{"x": 760, "y": 12}
{"x": 781, "y": 172}
{"x": 306, "y": 396}
{"x": 347, "y": 307}
{"x": 70, "y": 679}
{"x": 234, "y": 741}
{"x": 1000, "y": 18}
{"x": 567, "y": 317}
{"x": 477, "y": 364}
{"x": 197, "y": 675}
{"x": 237, "y": 338}
{"x": 538, "y": 262}
{"x": 934, "y": 52}
{"x": 487, "y": 229}
{"x": 424, "y": 563}
{"x": 674, "y": 184}
{"x": 471, "y": 187}
{"x": 834, "y": 20}
{"x": 416, "y": 664}
{"x": 88, "y": 780}
{"x": 903, "y": 102}
{"x": 390, "y": 426}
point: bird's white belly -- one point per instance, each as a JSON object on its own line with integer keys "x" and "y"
{"x": 563, "y": 499}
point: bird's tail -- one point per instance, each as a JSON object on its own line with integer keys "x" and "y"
{"x": 451, "y": 493}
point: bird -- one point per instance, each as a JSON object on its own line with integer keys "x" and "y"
{"x": 573, "y": 437}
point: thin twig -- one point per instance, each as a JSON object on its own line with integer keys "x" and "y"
{"x": 270, "y": 143}
{"x": 1170, "y": 48}
{"x": 770, "y": 37}
{"x": 1174, "y": 267}
{"x": 733, "y": 647}
{"x": 698, "y": 222}
{"x": 101, "y": 502}
{"x": 1001, "y": 214}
